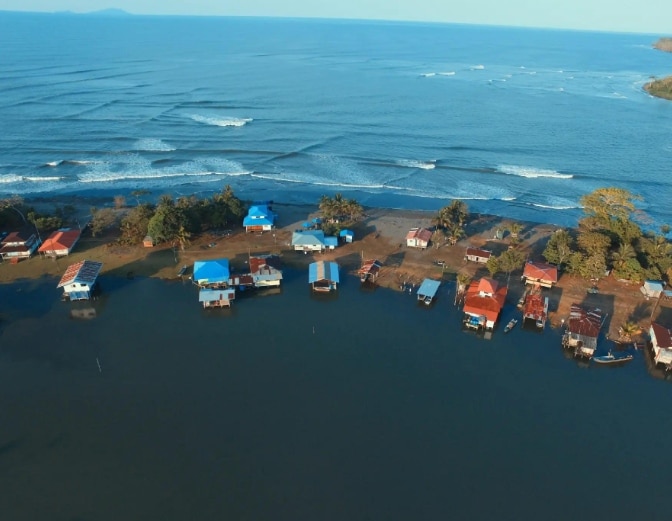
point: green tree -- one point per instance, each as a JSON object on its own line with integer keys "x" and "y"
{"x": 594, "y": 242}
{"x": 559, "y": 248}
{"x": 493, "y": 265}
{"x": 135, "y": 223}
{"x": 101, "y": 220}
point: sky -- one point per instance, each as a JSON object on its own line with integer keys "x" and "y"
{"x": 647, "y": 16}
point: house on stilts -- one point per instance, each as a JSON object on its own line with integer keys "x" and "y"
{"x": 661, "y": 345}
{"x": 427, "y": 290}
{"x": 323, "y": 276}
{"x": 483, "y": 302}
{"x": 582, "y": 330}
{"x": 212, "y": 278}
{"x": 80, "y": 280}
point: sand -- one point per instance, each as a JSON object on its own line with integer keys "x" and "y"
{"x": 380, "y": 235}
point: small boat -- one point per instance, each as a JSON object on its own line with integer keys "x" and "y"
{"x": 512, "y": 323}
{"x": 611, "y": 358}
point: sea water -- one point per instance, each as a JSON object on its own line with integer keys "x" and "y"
{"x": 516, "y": 122}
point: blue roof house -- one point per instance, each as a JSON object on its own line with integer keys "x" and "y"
{"x": 312, "y": 240}
{"x": 259, "y": 218}
{"x": 213, "y": 272}
{"x": 323, "y": 276}
{"x": 347, "y": 235}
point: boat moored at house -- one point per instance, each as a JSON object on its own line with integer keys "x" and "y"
{"x": 427, "y": 290}
{"x": 582, "y": 330}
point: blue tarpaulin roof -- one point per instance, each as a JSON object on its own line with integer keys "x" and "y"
{"x": 323, "y": 270}
{"x": 345, "y": 233}
{"x": 330, "y": 242}
{"x": 215, "y": 271}
{"x": 429, "y": 287}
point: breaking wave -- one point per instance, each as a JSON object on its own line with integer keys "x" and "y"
{"x": 531, "y": 172}
{"x": 412, "y": 163}
{"x": 219, "y": 121}
{"x": 152, "y": 145}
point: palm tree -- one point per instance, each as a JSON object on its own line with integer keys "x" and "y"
{"x": 628, "y": 330}
{"x": 621, "y": 256}
{"x": 455, "y": 232}
{"x": 463, "y": 281}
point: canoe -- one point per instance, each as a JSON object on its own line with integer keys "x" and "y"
{"x": 610, "y": 358}
{"x": 510, "y": 325}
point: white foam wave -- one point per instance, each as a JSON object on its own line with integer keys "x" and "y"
{"x": 10, "y": 178}
{"x": 412, "y": 163}
{"x": 80, "y": 162}
{"x": 13, "y": 178}
{"x": 555, "y": 207}
{"x": 477, "y": 67}
{"x": 531, "y": 172}
{"x": 152, "y": 145}
{"x": 42, "y": 179}
{"x": 107, "y": 177}
{"x": 280, "y": 178}
{"x": 448, "y": 73}
{"x": 54, "y": 163}
{"x": 428, "y": 74}
{"x": 219, "y": 121}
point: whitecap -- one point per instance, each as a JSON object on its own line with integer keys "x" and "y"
{"x": 42, "y": 179}
{"x": 10, "y": 178}
{"x": 54, "y": 163}
{"x": 532, "y": 172}
{"x": 152, "y": 145}
{"x": 477, "y": 67}
{"x": 220, "y": 121}
{"x": 428, "y": 74}
{"x": 412, "y": 163}
{"x": 448, "y": 73}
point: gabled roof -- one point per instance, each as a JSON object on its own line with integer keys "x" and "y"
{"x": 584, "y": 322}
{"x": 60, "y": 240}
{"x": 663, "y": 336}
{"x": 422, "y": 234}
{"x": 82, "y": 272}
{"x": 17, "y": 237}
{"x": 540, "y": 271}
{"x": 214, "y": 271}
{"x": 370, "y": 266}
{"x": 258, "y": 262}
{"x": 478, "y": 252}
{"x": 323, "y": 270}
{"x": 488, "y": 305}
{"x": 486, "y": 285}
{"x": 308, "y": 238}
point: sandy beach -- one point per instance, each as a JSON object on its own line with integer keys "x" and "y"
{"x": 381, "y": 235}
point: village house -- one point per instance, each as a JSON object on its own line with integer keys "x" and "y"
{"x": 477, "y": 255}
{"x": 535, "y": 308}
{"x": 265, "y": 271}
{"x": 312, "y": 240}
{"x": 370, "y": 270}
{"x": 213, "y": 272}
{"x": 540, "y": 273}
{"x": 259, "y": 218}
{"x": 19, "y": 245}
{"x": 79, "y": 282}
{"x": 323, "y": 276}
{"x": 418, "y": 238}
{"x": 148, "y": 241}
{"x": 212, "y": 277}
{"x": 60, "y": 243}
{"x": 582, "y": 331}
{"x": 483, "y": 302}
{"x": 661, "y": 344}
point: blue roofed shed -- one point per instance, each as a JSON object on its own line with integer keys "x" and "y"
{"x": 323, "y": 275}
{"x": 427, "y": 290}
{"x": 347, "y": 235}
{"x": 211, "y": 272}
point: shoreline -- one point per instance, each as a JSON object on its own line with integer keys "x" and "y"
{"x": 380, "y": 234}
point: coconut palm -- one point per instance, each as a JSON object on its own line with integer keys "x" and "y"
{"x": 628, "y": 330}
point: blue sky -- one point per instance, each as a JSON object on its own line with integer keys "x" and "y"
{"x": 649, "y": 16}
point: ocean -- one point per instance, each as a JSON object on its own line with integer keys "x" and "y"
{"x": 361, "y": 405}
{"x": 515, "y": 122}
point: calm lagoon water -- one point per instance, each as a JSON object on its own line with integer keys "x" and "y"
{"x": 360, "y": 405}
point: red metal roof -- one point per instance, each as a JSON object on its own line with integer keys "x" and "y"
{"x": 584, "y": 322}
{"x": 370, "y": 266}
{"x": 663, "y": 336}
{"x": 60, "y": 240}
{"x": 540, "y": 271}
{"x": 85, "y": 271}
{"x": 256, "y": 263}
{"x": 17, "y": 237}
{"x": 489, "y": 306}
{"x": 419, "y": 233}
{"x": 478, "y": 252}
{"x": 534, "y": 307}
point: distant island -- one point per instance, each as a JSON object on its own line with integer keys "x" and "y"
{"x": 661, "y": 88}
